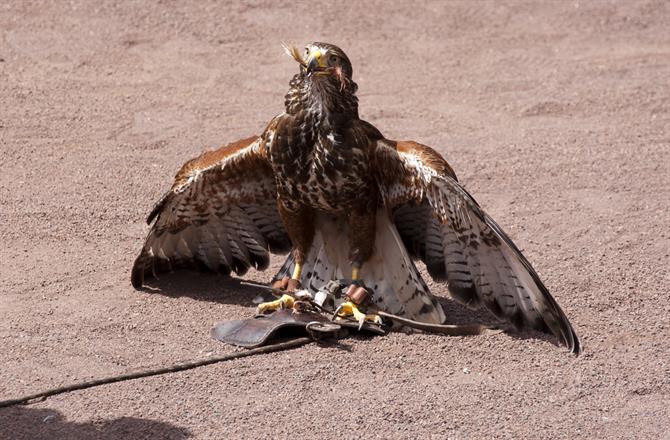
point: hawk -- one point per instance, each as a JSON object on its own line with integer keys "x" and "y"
{"x": 328, "y": 188}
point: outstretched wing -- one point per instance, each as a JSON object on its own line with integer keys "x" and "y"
{"x": 442, "y": 224}
{"x": 220, "y": 215}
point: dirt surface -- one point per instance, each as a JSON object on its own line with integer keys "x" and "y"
{"x": 555, "y": 115}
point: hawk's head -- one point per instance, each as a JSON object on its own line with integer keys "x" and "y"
{"x": 323, "y": 61}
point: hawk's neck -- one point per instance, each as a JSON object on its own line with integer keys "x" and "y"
{"x": 321, "y": 100}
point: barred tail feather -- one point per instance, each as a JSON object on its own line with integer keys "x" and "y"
{"x": 390, "y": 272}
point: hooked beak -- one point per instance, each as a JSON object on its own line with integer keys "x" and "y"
{"x": 315, "y": 62}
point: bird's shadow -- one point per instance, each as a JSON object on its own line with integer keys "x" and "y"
{"x": 21, "y": 422}
{"x": 205, "y": 287}
{"x": 228, "y": 290}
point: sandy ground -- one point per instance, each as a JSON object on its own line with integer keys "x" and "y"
{"x": 555, "y": 115}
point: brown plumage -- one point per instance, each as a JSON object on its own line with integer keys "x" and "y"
{"x": 327, "y": 185}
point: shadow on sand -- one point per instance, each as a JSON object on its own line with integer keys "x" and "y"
{"x": 22, "y": 422}
{"x": 226, "y": 290}
{"x": 204, "y": 287}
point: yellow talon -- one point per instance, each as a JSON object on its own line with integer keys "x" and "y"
{"x": 350, "y": 309}
{"x": 285, "y": 302}
{"x": 355, "y": 272}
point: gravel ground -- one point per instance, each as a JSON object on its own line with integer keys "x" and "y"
{"x": 555, "y": 115}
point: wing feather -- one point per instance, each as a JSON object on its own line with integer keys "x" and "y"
{"x": 441, "y": 224}
{"x": 220, "y": 215}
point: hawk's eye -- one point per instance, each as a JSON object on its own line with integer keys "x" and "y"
{"x": 333, "y": 58}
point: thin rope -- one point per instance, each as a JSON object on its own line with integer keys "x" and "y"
{"x": 39, "y": 397}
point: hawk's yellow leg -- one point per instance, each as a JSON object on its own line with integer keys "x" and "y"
{"x": 297, "y": 272}
{"x": 355, "y": 273}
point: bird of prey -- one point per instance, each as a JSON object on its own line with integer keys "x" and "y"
{"x": 347, "y": 203}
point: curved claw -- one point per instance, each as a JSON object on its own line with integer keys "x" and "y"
{"x": 348, "y": 308}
